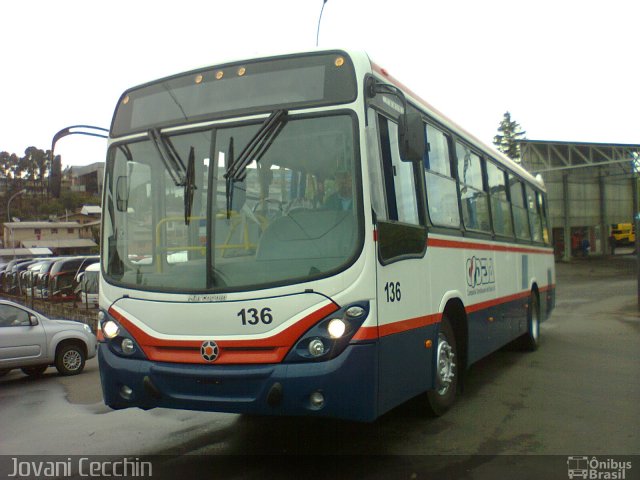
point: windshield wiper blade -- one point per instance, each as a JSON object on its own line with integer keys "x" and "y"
{"x": 169, "y": 157}
{"x": 189, "y": 185}
{"x": 229, "y": 182}
{"x": 258, "y": 145}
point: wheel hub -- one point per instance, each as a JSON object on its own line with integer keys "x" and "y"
{"x": 446, "y": 366}
{"x": 71, "y": 360}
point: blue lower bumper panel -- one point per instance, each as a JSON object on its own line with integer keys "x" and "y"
{"x": 344, "y": 387}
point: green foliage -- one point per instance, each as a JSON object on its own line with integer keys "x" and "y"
{"x": 509, "y": 134}
{"x": 41, "y": 177}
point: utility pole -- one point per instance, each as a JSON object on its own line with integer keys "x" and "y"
{"x": 636, "y": 219}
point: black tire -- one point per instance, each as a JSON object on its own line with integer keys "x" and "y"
{"x": 443, "y": 396}
{"x": 531, "y": 340}
{"x": 70, "y": 359}
{"x": 34, "y": 371}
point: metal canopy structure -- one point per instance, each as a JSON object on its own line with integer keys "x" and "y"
{"x": 590, "y": 186}
{"x": 547, "y": 156}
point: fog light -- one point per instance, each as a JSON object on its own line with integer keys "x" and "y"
{"x": 126, "y": 392}
{"x": 110, "y": 329}
{"x": 316, "y": 347}
{"x": 336, "y": 328}
{"x": 317, "y": 400}
{"x": 128, "y": 347}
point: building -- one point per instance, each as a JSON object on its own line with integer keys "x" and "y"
{"x": 590, "y": 186}
{"x": 88, "y": 178}
{"x": 86, "y": 214}
{"x": 62, "y": 238}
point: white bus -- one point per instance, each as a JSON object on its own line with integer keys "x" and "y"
{"x": 303, "y": 235}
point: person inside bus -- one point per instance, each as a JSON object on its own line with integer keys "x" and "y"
{"x": 341, "y": 199}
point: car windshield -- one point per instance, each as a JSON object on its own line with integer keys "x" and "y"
{"x": 176, "y": 222}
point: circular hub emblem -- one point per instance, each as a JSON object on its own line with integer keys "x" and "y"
{"x": 209, "y": 350}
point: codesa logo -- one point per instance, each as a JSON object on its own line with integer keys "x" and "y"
{"x": 480, "y": 271}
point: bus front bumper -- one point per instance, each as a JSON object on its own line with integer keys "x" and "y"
{"x": 344, "y": 387}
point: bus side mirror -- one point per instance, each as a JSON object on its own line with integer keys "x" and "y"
{"x": 122, "y": 194}
{"x": 411, "y": 137}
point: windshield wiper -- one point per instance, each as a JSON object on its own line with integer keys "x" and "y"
{"x": 169, "y": 157}
{"x": 258, "y": 145}
{"x": 181, "y": 176}
{"x": 255, "y": 149}
{"x": 189, "y": 185}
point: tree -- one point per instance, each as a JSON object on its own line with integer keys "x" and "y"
{"x": 509, "y": 133}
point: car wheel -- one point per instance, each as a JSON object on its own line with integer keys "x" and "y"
{"x": 443, "y": 396}
{"x": 34, "y": 371}
{"x": 70, "y": 359}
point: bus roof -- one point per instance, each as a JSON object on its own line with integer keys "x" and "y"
{"x": 362, "y": 59}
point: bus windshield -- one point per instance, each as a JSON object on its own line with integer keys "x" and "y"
{"x": 289, "y": 217}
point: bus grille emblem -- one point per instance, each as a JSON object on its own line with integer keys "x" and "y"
{"x": 209, "y": 350}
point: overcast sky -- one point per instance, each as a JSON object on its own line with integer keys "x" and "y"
{"x": 565, "y": 69}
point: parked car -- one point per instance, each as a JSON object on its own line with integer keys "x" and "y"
{"x": 32, "y": 342}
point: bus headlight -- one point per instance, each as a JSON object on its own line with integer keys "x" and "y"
{"x": 119, "y": 340}
{"x": 330, "y": 336}
{"x": 110, "y": 329}
{"x": 336, "y": 328}
{"x": 128, "y": 347}
{"x": 316, "y": 347}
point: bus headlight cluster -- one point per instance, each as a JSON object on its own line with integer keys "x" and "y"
{"x": 117, "y": 338}
{"x": 331, "y": 335}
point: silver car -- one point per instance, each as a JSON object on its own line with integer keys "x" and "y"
{"x": 32, "y": 342}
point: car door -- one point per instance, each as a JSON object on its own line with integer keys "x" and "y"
{"x": 21, "y": 342}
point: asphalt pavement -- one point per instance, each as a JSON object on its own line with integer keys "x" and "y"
{"x": 522, "y": 415}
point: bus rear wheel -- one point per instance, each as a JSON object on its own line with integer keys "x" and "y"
{"x": 530, "y": 340}
{"x": 443, "y": 396}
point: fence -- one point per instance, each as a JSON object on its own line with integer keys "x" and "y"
{"x": 59, "y": 310}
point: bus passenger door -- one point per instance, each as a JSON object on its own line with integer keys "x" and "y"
{"x": 401, "y": 275}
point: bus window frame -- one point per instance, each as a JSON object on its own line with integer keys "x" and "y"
{"x": 388, "y": 229}
{"x": 475, "y": 231}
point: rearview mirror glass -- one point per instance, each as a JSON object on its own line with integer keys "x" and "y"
{"x": 411, "y": 137}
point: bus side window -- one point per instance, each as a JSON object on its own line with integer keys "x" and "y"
{"x": 534, "y": 215}
{"x": 500, "y": 205}
{"x": 402, "y": 233}
{"x": 520, "y": 217}
{"x": 542, "y": 208}
{"x": 442, "y": 195}
{"x": 473, "y": 198}
{"x": 399, "y": 178}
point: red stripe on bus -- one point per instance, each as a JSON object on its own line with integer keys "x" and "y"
{"x": 373, "y": 333}
{"x": 440, "y": 243}
{"x": 476, "y": 307}
{"x": 264, "y": 350}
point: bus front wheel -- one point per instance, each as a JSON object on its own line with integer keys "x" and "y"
{"x": 443, "y": 396}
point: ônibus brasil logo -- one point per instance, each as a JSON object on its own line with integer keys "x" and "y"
{"x": 209, "y": 350}
{"x": 595, "y": 468}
